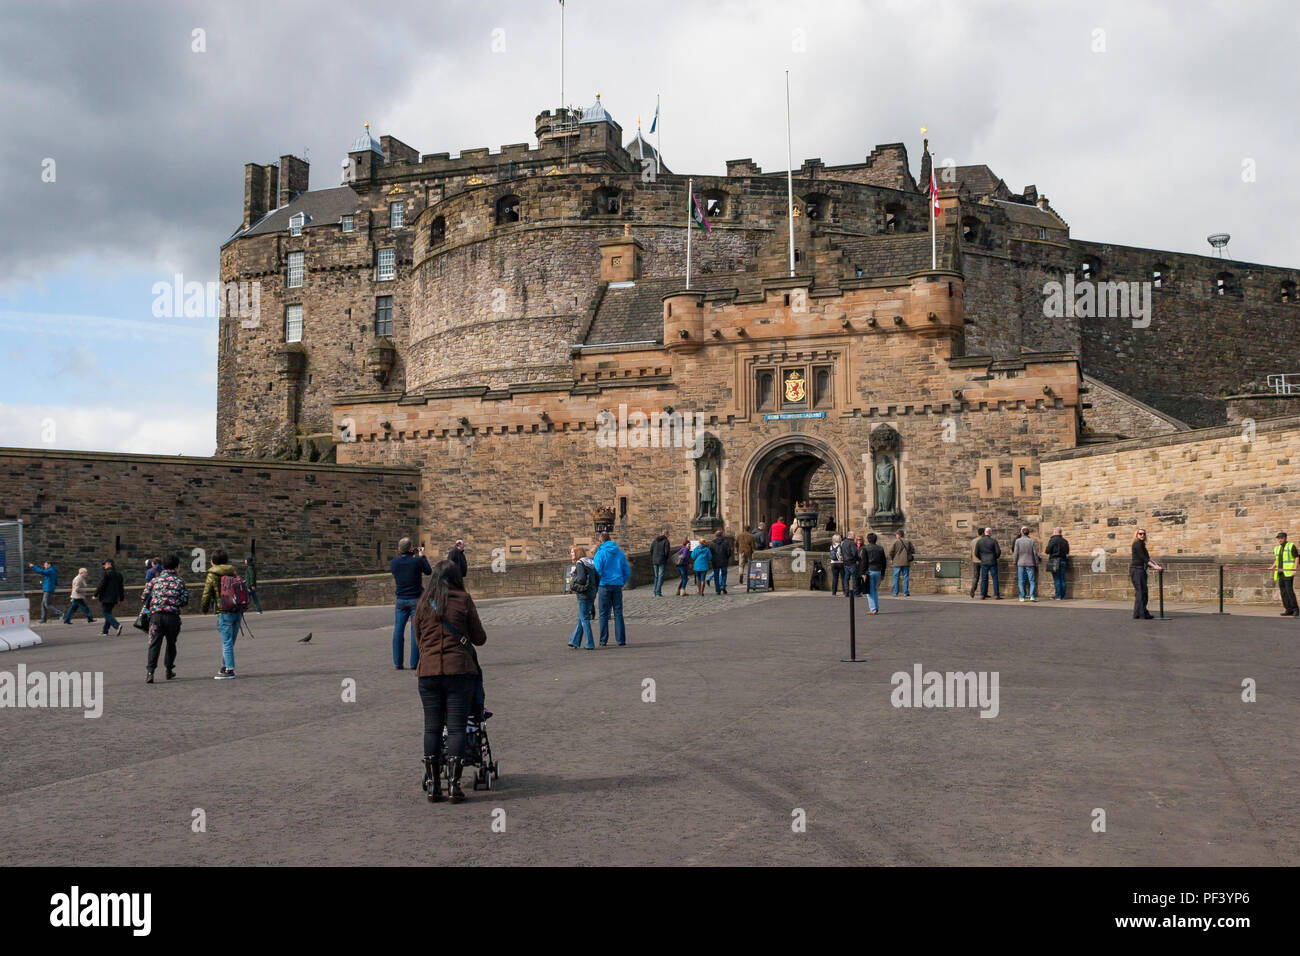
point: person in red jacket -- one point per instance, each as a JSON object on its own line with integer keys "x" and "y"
{"x": 778, "y": 533}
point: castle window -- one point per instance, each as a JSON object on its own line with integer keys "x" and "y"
{"x": 988, "y": 479}
{"x": 1042, "y": 233}
{"x": 817, "y": 206}
{"x": 396, "y": 214}
{"x": 970, "y": 229}
{"x": 438, "y": 230}
{"x": 386, "y": 265}
{"x": 293, "y": 278}
{"x": 822, "y": 396}
{"x": 384, "y": 315}
{"x": 622, "y": 509}
{"x": 348, "y": 223}
{"x": 1225, "y": 284}
{"x": 1159, "y": 273}
{"x": 765, "y": 392}
{"x": 714, "y": 203}
{"x": 507, "y": 210}
{"x": 1287, "y": 293}
{"x": 1024, "y": 476}
{"x": 1085, "y": 271}
{"x": 608, "y": 201}
{"x": 293, "y": 323}
{"x": 296, "y": 222}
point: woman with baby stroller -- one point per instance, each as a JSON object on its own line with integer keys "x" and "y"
{"x": 447, "y": 627}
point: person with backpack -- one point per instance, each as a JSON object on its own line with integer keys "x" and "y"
{"x": 224, "y": 592}
{"x": 49, "y": 583}
{"x": 111, "y": 591}
{"x": 683, "y": 562}
{"x": 447, "y": 628}
{"x": 614, "y": 571}
{"x": 659, "y": 549}
{"x": 581, "y": 580}
{"x": 163, "y": 598}
{"x": 850, "y": 556}
{"x": 720, "y": 551}
{"x": 701, "y": 559}
{"x": 901, "y": 556}
{"x": 1284, "y": 566}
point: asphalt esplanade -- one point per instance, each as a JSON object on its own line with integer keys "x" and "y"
{"x": 754, "y": 719}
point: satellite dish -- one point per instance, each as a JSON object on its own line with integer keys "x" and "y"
{"x": 1219, "y": 241}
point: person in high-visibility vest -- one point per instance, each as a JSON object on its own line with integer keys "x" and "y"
{"x": 1285, "y": 559}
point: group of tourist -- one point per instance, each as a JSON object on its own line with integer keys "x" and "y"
{"x": 859, "y": 562}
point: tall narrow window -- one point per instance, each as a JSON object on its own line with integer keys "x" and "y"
{"x": 293, "y": 323}
{"x": 384, "y": 315}
{"x": 386, "y": 265}
{"x": 766, "y": 389}
{"x": 296, "y": 269}
{"x": 437, "y": 230}
{"x": 396, "y": 215}
{"x": 541, "y": 512}
{"x": 1024, "y": 475}
{"x": 822, "y": 388}
{"x": 988, "y": 479}
{"x": 622, "y": 509}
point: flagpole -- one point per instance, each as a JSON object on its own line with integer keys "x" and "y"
{"x": 659, "y": 137}
{"x": 934, "y": 195}
{"x": 690, "y": 208}
{"x": 562, "y": 103}
{"x": 789, "y": 171}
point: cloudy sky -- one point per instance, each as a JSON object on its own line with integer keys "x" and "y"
{"x": 123, "y": 143}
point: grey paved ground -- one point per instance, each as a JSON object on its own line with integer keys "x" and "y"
{"x": 755, "y": 716}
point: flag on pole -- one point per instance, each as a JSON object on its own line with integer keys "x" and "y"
{"x": 697, "y": 214}
{"x": 655, "y": 122}
{"x": 934, "y": 193}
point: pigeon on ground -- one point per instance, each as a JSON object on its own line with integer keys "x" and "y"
{"x": 306, "y": 640}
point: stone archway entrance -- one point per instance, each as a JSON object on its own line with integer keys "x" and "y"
{"x": 795, "y": 468}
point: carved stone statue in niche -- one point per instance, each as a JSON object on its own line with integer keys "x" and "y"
{"x": 708, "y": 468}
{"x": 884, "y": 454}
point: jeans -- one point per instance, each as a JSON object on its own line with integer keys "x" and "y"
{"x": 659, "y": 580}
{"x": 228, "y": 628}
{"x": 873, "y": 590}
{"x": 446, "y": 699}
{"x": 851, "y": 580}
{"x": 1058, "y": 578}
{"x": 989, "y": 571}
{"x": 584, "y": 623}
{"x": 1139, "y": 578}
{"x": 163, "y": 626}
{"x": 1027, "y": 581}
{"x": 906, "y": 571}
{"x": 720, "y": 580}
{"x": 837, "y": 573}
{"x": 252, "y": 596}
{"x": 404, "y": 610}
{"x": 47, "y": 605}
{"x": 109, "y": 620}
{"x": 72, "y": 609}
{"x": 611, "y": 599}
{"x": 685, "y": 571}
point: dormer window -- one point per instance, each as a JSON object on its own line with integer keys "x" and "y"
{"x": 296, "y": 222}
{"x": 438, "y": 230}
{"x": 507, "y": 210}
{"x": 396, "y": 214}
{"x": 348, "y": 223}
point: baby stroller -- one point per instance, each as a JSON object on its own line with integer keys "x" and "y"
{"x": 478, "y": 750}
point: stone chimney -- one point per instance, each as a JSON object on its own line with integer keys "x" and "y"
{"x": 620, "y": 257}
{"x": 293, "y": 179}
{"x": 260, "y": 185}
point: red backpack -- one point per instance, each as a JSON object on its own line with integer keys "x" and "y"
{"x": 234, "y": 596}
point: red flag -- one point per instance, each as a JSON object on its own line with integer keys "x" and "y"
{"x": 934, "y": 193}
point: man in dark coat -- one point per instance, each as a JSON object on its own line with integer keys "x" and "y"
{"x": 457, "y": 557}
{"x": 659, "y": 549}
{"x": 111, "y": 591}
{"x": 987, "y": 552}
{"x": 721, "y": 548}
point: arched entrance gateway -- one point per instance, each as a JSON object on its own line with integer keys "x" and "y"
{"x": 795, "y": 468}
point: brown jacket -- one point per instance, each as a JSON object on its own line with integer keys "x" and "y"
{"x": 441, "y": 651}
{"x": 745, "y": 543}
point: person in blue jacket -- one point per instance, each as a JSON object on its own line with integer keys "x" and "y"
{"x": 51, "y": 575}
{"x": 702, "y": 560}
{"x": 611, "y": 565}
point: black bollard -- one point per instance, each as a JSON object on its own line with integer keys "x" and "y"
{"x": 1220, "y": 589}
{"x": 1160, "y": 583}
{"x": 853, "y": 632}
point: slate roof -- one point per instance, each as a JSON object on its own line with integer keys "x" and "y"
{"x": 636, "y": 313}
{"x": 973, "y": 180}
{"x": 1028, "y": 215}
{"x": 882, "y": 256}
{"x": 322, "y": 206}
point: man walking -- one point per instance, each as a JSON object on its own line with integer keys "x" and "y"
{"x": 408, "y": 570}
{"x": 223, "y": 592}
{"x": 50, "y": 580}
{"x": 659, "y": 549}
{"x": 611, "y": 564}
{"x": 745, "y": 545}
{"x": 110, "y": 592}
{"x": 250, "y": 581}
{"x": 457, "y": 557}
{"x": 1058, "y": 556}
{"x": 163, "y": 598}
{"x": 1025, "y": 551}
{"x": 849, "y": 555}
{"x": 987, "y": 552}
{"x": 901, "y": 555}
{"x": 1137, "y": 572}
{"x": 80, "y": 591}
{"x": 720, "y": 548}
{"x": 1284, "y": 565}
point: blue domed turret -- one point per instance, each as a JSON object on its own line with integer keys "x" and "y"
{"x": 366, "y": 141}
{"x": 596, "y": 113}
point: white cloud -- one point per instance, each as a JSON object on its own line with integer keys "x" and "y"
{"x": 161, "y": 430}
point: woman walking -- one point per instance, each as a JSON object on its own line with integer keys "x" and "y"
{"x": 701, "y": 557}
{"x": 837, "y": 566}
{"x": 580, "y": 581}
{"x": 446, "y": 624}
{"x": 684, "y": 565}
{"x": 1137, "y": 572}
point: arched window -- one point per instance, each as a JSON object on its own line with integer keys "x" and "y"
{"x": 817, "y": 206}
{"x": 970, "y": 229}
{"x": 893, "y": 217}
{"x": 438, "y": 230}
{"x": 766, "y": 388}
{"x": 507, "y": 210}
{"x": 608, "y": 201}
